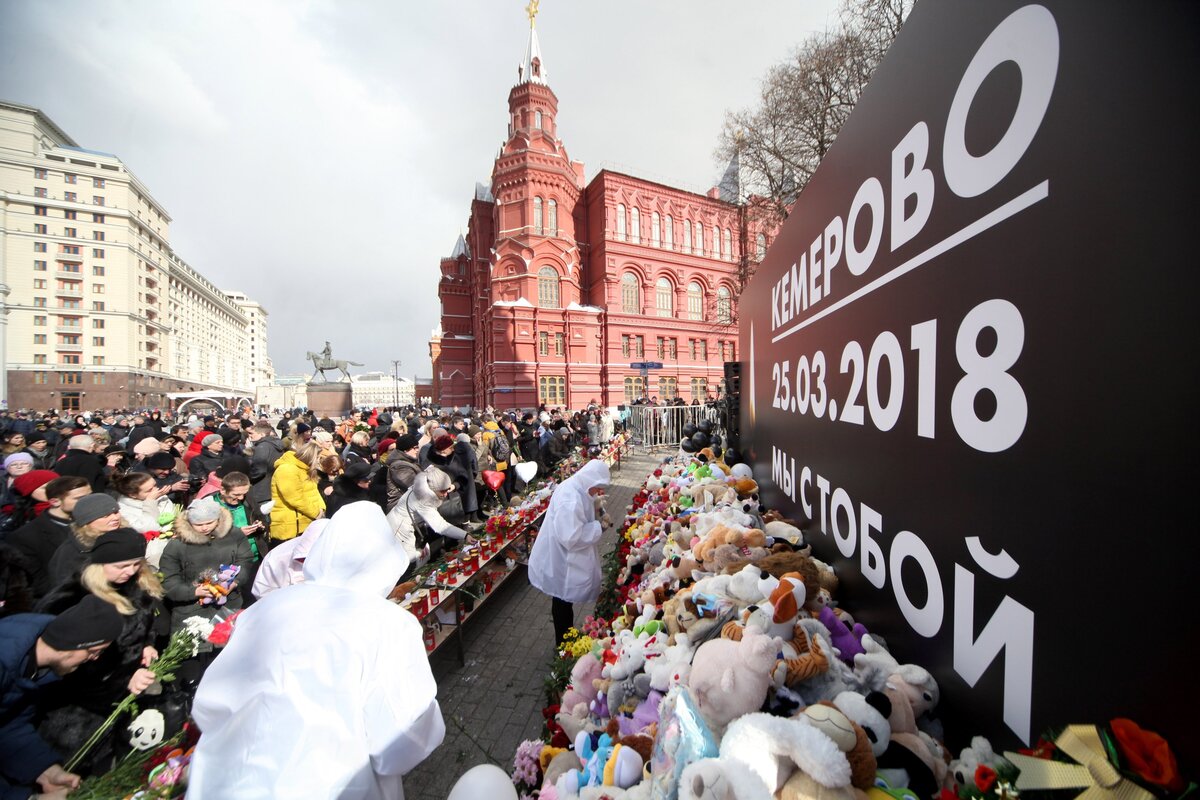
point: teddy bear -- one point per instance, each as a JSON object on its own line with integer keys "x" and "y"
{"x": 581, "y": 688}
{"x": 917, "y": 762}
{"x": 980, "y": 754}
{"x": 751, "y": 585}
{"x": 837, "y": 678}
{"x": 912, "y": 690}
{"x": 784, "y": 530}
{"x": 674, "y": 666}
{"x": 740, "y": 546}
{"x": 725, "y": 515}
{"x": 847, "y": 641}
{"x": 760, "y": 754}
{"x": 731, "y": 678}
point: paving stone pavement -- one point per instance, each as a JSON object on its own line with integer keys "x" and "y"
{"x": 494, "y": 702}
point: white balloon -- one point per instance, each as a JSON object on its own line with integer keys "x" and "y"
{"x": 485, "y": 781}
{"x": 527, "y": 470}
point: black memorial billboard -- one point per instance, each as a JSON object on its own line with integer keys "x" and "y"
{"x": 976, "y": 377}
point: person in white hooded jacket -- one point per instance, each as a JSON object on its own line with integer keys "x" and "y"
{"x": 324, "y": 690}
{"x": 284, "y": 564}
{"x": 565, "y": 562}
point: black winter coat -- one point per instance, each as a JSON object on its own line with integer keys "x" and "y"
{"x": 85, "y": 465}
{"x": 38, "y": 541}
{"x": 98, "y": 684}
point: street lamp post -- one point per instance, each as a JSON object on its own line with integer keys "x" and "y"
{"x": 396, "y": 382}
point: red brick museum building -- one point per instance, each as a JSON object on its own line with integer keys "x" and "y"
{"x": 559, "y": 286}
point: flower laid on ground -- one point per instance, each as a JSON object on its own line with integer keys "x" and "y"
{"x": 183, "y": 645}
{"x": 527, "y": 773}
{"x": 596, "y": 627}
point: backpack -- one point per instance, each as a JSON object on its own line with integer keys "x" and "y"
{"x": 501, "y": 449}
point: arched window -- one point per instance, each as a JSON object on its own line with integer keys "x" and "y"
{"x": 669, "y": 233}
{"x": 699, "y": 239}
{"x": 620, "y": 222}
{"x": 635, "y": 225}
{"x": 727, "y": 246}
{"x": 695, "y": 301}
{"x": 537, "y": 120}
{"x": 537, "y": 215}
{"x": 552, "y": 218}
{"x": 631, "y": 294}
{"x": 760, "y": 246}
{"x": 724, "y": 306}
{"x": 687, "y": 236}
{"x": 716, "y": 243}
{"x": 662, "y": 297}
{"x": 547, "y": 287}
{"x": 655, "y": 230}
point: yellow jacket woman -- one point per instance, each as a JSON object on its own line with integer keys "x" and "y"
{"x": 294, "y": 491}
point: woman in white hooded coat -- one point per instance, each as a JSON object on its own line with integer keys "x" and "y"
{"x": 565, "y": 562}
{"x": 432, "y": 486}
{"x": 324, "y": 690}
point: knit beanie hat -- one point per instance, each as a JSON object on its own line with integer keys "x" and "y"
{"x": 160, "y": 460}
{"x": 18, "y": 458}
{"x": 211, "y": 439}
{"x": 407, "y": 442}
{"x": 89, "y": 623}
{"x": 203, "y": 510}
{"x": 123, "y": 544}
{"x": 92, "y": 507}
{"x": 443, "y": 442}
{"x": 146, "y": 447}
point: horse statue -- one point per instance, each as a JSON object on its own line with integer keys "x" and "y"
{"x": 323, "y": 363}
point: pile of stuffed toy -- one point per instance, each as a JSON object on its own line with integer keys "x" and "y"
{"x": 728, "y": 670}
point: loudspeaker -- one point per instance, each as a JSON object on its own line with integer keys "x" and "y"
{"x": 733, "y": 377}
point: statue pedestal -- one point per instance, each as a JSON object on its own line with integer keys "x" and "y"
{"x": 330, "y": 399}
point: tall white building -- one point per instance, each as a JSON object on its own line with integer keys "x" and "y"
{"x": 377, "y": 389}
{"x": 96, "y": 309}
{"x": 262, "y": 371}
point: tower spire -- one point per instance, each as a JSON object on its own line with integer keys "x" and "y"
{"x": 532, "y": 69}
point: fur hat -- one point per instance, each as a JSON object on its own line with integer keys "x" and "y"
{"x": 438, "y": 480}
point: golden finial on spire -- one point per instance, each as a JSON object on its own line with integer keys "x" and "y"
{"x": 531, "y": 10}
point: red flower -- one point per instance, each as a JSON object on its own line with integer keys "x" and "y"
{"x": 151, "y": 535}
{"x": 947, "y": 794}
{"x": 1043, "y": 749}
{"x": 985, "y": 778}
{"x": 1147, "y": 754}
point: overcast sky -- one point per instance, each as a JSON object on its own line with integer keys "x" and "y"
{"x": 322, "y": 155}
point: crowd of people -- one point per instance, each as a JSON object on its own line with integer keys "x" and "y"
{"x": 153, "y": 517}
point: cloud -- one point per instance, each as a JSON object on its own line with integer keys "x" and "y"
{"x": 321, "y": 156}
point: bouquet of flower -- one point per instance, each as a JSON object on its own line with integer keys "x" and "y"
{"x": 183, "y": 645}
{"x": 527, "y": 770}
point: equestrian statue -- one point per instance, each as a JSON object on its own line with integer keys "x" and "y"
{"x": 324, "y": 361}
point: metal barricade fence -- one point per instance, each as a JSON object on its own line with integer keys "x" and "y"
{"x": 655, "y": 427}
